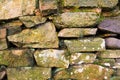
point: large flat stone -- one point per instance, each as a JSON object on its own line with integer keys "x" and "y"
{"x": 85, "y": 45}
{"x": 80, "y": 58}
{"x": 76, "y": 19}
{"x": 90, "y": 3}
{"x": 12, "y": 8}
{"x": 31, "y": 21}
{"x": 112, "y": 43}
{"x": 109, "y": 54}
{"x": 84, "y": 72}
{"x": 28, "y": 73}
{"x": 17, "y": 57}
{"x": 51, "y": 58}
{"x": 111, "y": 25}
{"x": 44, "y": 36}
{"x": 77, "y": 32}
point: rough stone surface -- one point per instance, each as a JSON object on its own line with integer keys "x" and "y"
{"x": 111, "y": 25}
{"x": 116, "y": 65}
{"x": 12, "y": 27}
{"x": 51, "y": 58}
{"x": 28, "y": 73}
{"x": 44, "y": 36}
{"x": 113, "y": 43}
{"x": 3, "y": 33}
{"x": 109, "y": 54}
{"x": 30, "y": 21}
{"x": 19, "y": 7}
{"x": 3, "y": 44}
{"x": 91, "y": 3}
{"x": 2, "y": 72}
{"x": 77, "y": 32}
{"x": 84, "y": 45}
{"x": 79, "y": 58}
{"x": 16, "y": 57}
{"x": 85, "y": 72}
{"x": 76, "y": 19}
{"x": 118, "y": 72}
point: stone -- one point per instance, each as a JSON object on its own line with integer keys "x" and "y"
{"x": 118, "y": 72}
{"x": 118, "y": 60}
{"x": 80, "y": 58}
{"x": 19, "y": 7}
{"x": 3, "y": 44}
{"x": 48, "y": 6}
{"x": 90, "y": 3}
{"x": 77, "y": 32}
{"x": 110, "y": 25}
{"x": 105, "y": 62}
{"x": 17, "y": 57}
{"x": 106, "y": 35}
{"x": 2, "y": 72}
{"x": 85, "y": 45}
{"x": 112, "y": 43}
{"x": 109, "y": 54}
{"x": 116, "y": 66}
{"x": 43, "y": 36}
{"x": 28, "y": 73}
{"x": 75, "y": 19}
{"x": 12, "y": 27}
{"x": 51, "y": 58}
{"x": 115, "y": 78}
{"x": 85, "y": 72}
{"x": 31, "y": 21}
{"x": 3, "y": 33}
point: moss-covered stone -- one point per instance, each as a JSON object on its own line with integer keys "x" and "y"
{"x": 44, "y": 36}
{"x": 85, "y": 45}
{"x": 51, "y": 58}
{"x": 77, "y": 32}
{"x": 28, "y": 73}
{"x": 30, "y": 21}
{"x": 76, "y": 19}
{"x": 16, "y": 57}
{"x": 79, "y": 58}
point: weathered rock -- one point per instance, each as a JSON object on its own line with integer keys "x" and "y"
{"x": 19, "y": 7}
{"x": 77, "y": 32}
{"x": 118, "y": 60}
{"x": 3, "y": 33}
{"x": 106, "y": 35}
{"x": 30, "y": 21}
{"x": 16, "y": 58}
{"x": 3, "y": 44}
{"x": 105, "y": 62}
{"x": 111, "y": 25}
{"x": 12, "y": 27}
{"x": 85, "y": 45}
{"x": 79, "y": 58}
{"x": 115, "y": 78}
{"x": 2, "y": 72}
{"x": 44, "y": 36}
{"x": 118, "y": 72}
{"x": 28, "y": 73}
{"x": 113, "y": 43}
{"x": 109, "y": 54}
{"x": 51, "y": 58}
{"x": 90, "y": 3}
{"x": 85, "y": 72}
{"x": 76, "y": 19}
{"x": 48, "y": 6}
{"x": 116, "y": 65}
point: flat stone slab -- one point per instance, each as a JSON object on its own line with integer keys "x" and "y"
{"x": 51, "y": 58}
{"x": 76, "y": 19}
{"x": 90, "y": 3}
{"x": 17, "y": 57}
{"x": 77, "y": 32}
{"x": 31, "y": 21}
{"x": 112, "y": 43}
{"x": 111, "y": 25}
{"x": 28, "y": 73}
{"x": 85, "y": 72}
{"x": 109, "y": 54}
{"x": 85, "y": 45}
{"x": 80, "y": 58}
{"x": 44, "y": 36}
{"x": 12, "y": 8}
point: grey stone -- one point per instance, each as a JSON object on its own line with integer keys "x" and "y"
{"x": 85, "y": 45}
{"x": 51, "y": 58}
{"x": 44, "y": 36}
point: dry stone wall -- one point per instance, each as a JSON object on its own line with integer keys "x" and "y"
{"x": 59, "y": 40}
